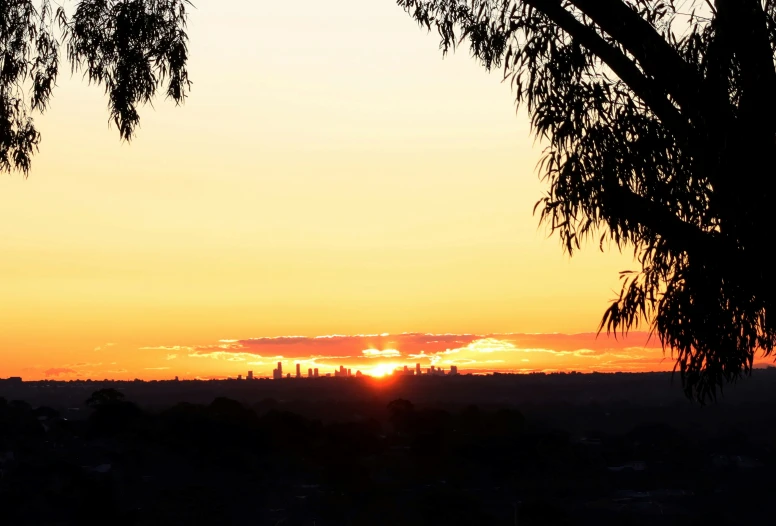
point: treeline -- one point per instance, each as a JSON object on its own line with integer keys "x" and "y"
{"x": 228, "y": 463}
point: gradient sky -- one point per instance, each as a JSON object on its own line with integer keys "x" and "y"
{"x": 330, "y": 174}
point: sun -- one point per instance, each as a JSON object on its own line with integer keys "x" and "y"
{"x": 382, "y": 369}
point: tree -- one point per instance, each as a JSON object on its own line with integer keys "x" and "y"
{"x": 132, "y": 48}
{"x": 104, "y": 397}
{"x": 659, "y": 120}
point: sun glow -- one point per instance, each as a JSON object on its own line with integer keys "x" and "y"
{"x": 382, "y": 369}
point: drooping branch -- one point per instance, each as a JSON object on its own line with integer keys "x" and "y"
{"x": 662, "y": 141}
{"x": 655, "y": 55}
{"x": 678, "y": 234}
{"x": 132, "y": 48}
{"x": 747, "y": 27}
{"x": 644, "y": 87}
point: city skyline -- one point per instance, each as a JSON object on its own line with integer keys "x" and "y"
{"x": 375, "y": 355}
{"x": 378, "y": 371}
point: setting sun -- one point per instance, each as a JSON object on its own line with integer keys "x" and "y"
{"x": 382, "y": 369}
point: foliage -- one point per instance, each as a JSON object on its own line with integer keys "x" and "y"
{"x": 224, "y": 463}
{"x": 104, "y": 397}
{"x": 132, "y": 48}
{"x": 658, "y": 117}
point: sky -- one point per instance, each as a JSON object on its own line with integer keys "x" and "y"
{"x": 330, "y": 179}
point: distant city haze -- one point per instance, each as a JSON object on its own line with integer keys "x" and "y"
{"x": 330, "y": 174}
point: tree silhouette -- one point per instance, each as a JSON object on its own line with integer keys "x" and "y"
{"x": 104, "y": 397}
{"x": 132, "y": 48}
{"x": 659, "y": 122}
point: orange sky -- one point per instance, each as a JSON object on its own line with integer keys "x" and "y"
{"x": 330, "y": 174}
{"x": 376, "y": 354}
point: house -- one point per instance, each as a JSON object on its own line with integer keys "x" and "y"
{"x": 590, "y": 442}
{"x": 627, "y": 495}
{"x": 637, "y": 465}
{"x": 743, "y": 462}
{"x": 736, "y": 461}
{"x": 6, "y": 457}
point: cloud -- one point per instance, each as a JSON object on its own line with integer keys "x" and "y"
{"x": 334, "y": 344}
{"x": 172, "y": 356}
{"x": 59, "y": 371}
{"x": 104, "y": 346}
{"x": 167, "y": 348}
{"x": 415, "y": 343}
{"x": 475, "y": 352}
{"x": 387, "y": 353}
{"x": 224, "y": 355}
{"x": 544, "y": 352}
{"x": 157, "y": 368}
{"x": 584, "y": 341}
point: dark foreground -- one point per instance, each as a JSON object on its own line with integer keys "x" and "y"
{"x": 539, "y": 450}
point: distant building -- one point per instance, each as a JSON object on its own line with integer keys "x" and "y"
{"x": 590, "y": 442}
{"x": 315, "y": 373}
{"x": 6, "y": 457}
{"x": 239, "y": 377}
{"x": 453, "y": 370}
{"x": 417, "y": 369}
{"x": 738, "y": 461}
{"x": 742, "y": 462}
{"x": 630, "y": 466}
{"x": 359, "y": 374}
{"x": 277, "y": 374}
{"x": 349, "y": 372}
{"x": 309, "y": 373}
{"x": 406, "y": 370}
{"x": 250, "y": 375}
{"x": 298, "y": 370}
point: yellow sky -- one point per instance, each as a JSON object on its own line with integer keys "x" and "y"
{"x": 330, "y": 174}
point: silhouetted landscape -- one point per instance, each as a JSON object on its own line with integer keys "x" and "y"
{"x": 500, "y": 449}
{"x": 330, "y": 181}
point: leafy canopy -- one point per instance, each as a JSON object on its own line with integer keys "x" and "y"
{"x": 130, "y": 47}
{"x": 659, "y": 120}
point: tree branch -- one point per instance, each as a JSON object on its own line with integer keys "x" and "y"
{"x": 644, "y": 87}
{"x": 682, "y": 236}
{"x": 747, "y": 29}
{"x": 656, "y": 56}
